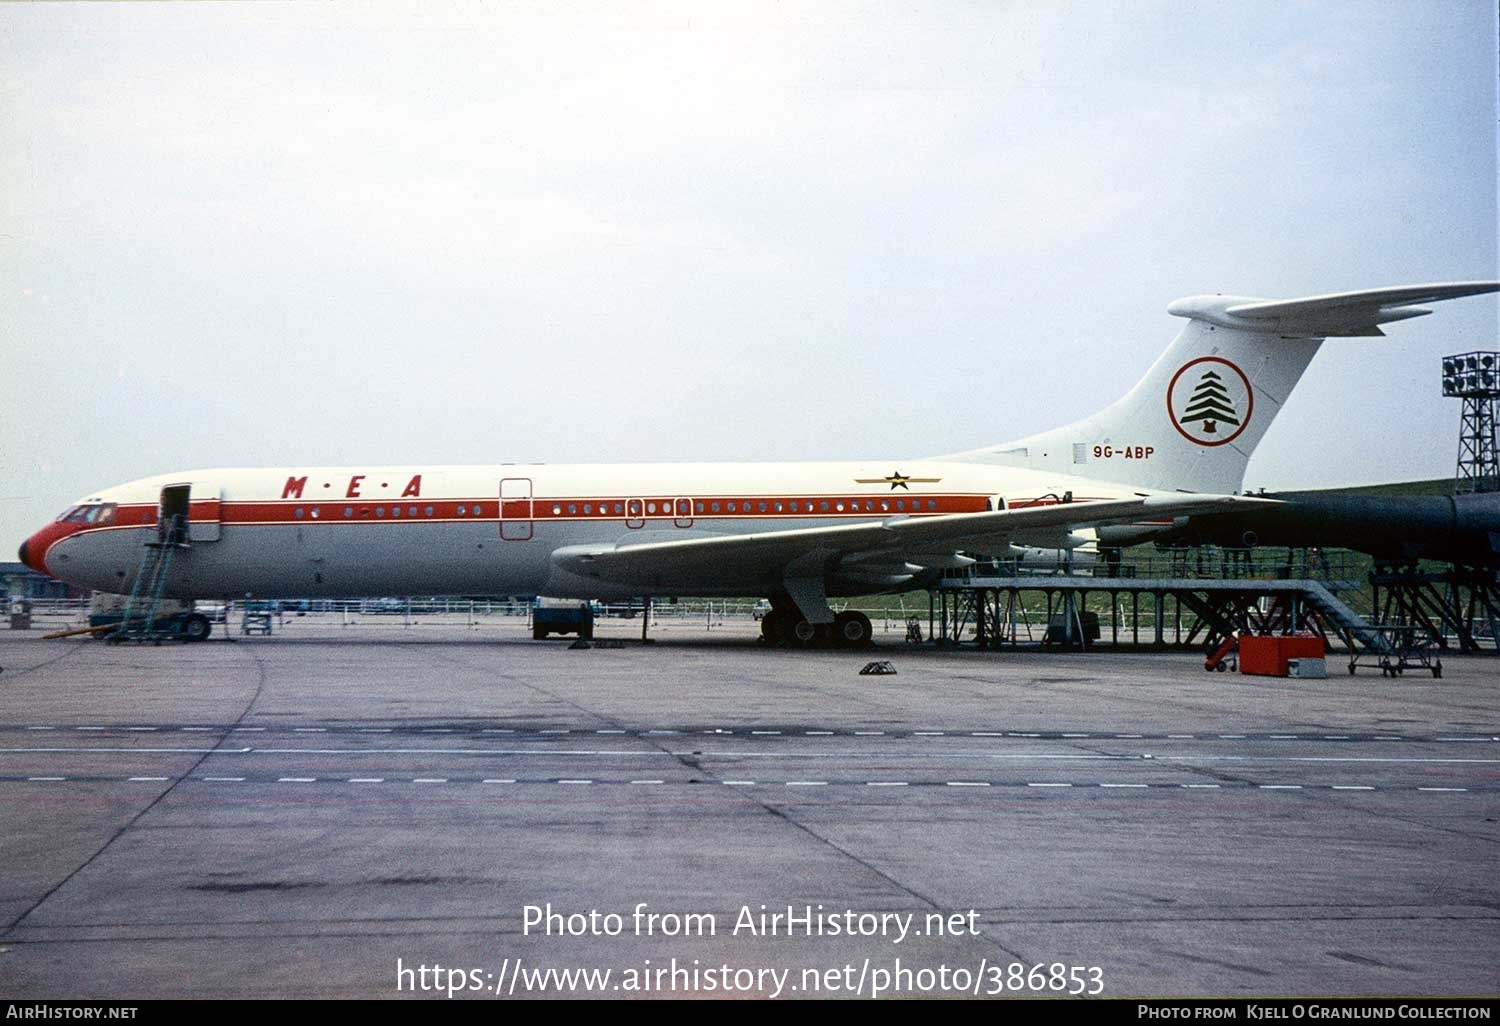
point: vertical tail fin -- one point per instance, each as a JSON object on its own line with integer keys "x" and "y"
{"x": 1194, "y": 419}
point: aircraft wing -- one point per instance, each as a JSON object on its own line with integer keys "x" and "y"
{"x": 894, "y": 546}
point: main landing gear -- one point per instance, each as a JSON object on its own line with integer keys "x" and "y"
{"x": 850, "y": 629}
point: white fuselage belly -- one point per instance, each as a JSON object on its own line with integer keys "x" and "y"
{"x": 357, "y": 531}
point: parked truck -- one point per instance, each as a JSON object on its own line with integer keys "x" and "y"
{"x": 561, "y": 616}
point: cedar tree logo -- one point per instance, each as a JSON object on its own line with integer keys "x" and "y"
{"x": 1210, "y": 401}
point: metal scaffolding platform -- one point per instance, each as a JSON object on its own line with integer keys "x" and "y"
{"x": 1192, "y": 598}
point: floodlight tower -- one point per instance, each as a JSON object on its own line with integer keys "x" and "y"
{"x": 1475, "y": 378}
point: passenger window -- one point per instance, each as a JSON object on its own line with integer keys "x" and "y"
{"x": 823, "y": 506}
{"x": 476, "y": 511}
{"x": 699, "y": 506}
{"x": 314, "y": 513}
{"x": 395, "y": 511}
{"x": 348, "y": 511}
{"x": 932, "y": 504}
{"x": 731, "y": 507}
{"x": 380, "y": 511}
{"x": 794, "y": 505}
{"x": 901, "y": 505}
{"x": 428, "y": 511}
{"x": 778, "y": 507}
{"x": 572, "y": 509}
{"x": 650, "y": 507}
{"x": 715, "y": 507}
{"x": 885, "y": 505}
{"x": 298, "y": 513}
{"x": 411, "y": 511}
{"x": 839, "y": 507}
{"x": 556, "y": 511}
{"x": 588, "y": 507}
{"x": 461, "y": 511}
{"x": 763, "y": 506}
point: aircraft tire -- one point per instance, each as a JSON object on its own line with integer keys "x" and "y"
{"x": 851, "y": 629}
{"x": 774, "y": 627}
{"x": 803, "y": 634}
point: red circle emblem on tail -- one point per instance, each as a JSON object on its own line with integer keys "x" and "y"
{"x": 1209, "y": 401}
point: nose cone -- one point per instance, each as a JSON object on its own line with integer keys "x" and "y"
{"x": 31, "y": 555}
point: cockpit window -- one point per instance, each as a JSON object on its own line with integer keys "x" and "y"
{"x": 97, "y": 513}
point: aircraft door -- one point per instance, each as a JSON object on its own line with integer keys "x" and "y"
{"x": 515, "y": 509}
{"x": 684, "y": 512}
{"x": 635, "y": 513}
{"x": 205, "y": 502}
{"x": 172, "y": 513}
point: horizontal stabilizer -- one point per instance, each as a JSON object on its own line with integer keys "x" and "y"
{"x": 1340, "y": 314}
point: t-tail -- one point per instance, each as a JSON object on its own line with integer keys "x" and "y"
{"x": 1194, "y": 419}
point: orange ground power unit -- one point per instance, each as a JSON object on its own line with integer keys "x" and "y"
{"x": 1266, "y": 655}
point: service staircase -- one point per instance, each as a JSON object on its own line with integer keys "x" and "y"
{"x": 141, "y": 619}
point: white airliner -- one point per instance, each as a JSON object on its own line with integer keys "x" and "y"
{"x": 795, "y": 533}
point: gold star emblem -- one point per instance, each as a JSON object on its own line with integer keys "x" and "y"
{"x": 897, "y": 480}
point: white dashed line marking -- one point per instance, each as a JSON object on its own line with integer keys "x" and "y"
{"x": 986, "y": 733}
{"x": 1442, "y": 789}
{"x": 1181, "y": 737}
{"x": 41, "y": 728}
{"x": 147, "y": 780}
{"x": 739, "y": 783}
{"x": 429, "y": 780}
{"x": 886, "y": 783}
{"x": 1231, "y": 737}
{"x": 1279, "y": 787}
{"x": 648, "y": 781}
{"x": 296, "y": 780}
{"x": 969, "y": 783}
{"x": 225, "y": 780}
{"x": 375, "y": 730}
{"x": 1127, "y": 736}
{"x": 499, "y": 780}
{"x": 927, "y": 733}
{"x": 310, "y": 730}
{"x": 1031, "y": 784}
{"x": 250, "y": 730}
{"x": 819, "y": 733}
{"x": 596, "y": 732}
{"x": 1125, "y": 785}
{"x": 1463, "y": 740}
{"x": 807, "y": 783}
{"x": 144, "y": 730}
{"x": 442, "y": 730}
{"x": 367, "y": 780}
{"x": 1074, "y": 735}
{"x": 1201, "y": 786}
{"x": 494, "y": 730}
{"x": 869, "y": 733}
{"x": 555, "y": 731}
{"x": 197, "y": 730}
{"x": 575, "y": 781}
{"x": 1352, "y": 787}
{"x": 42, "y": 780}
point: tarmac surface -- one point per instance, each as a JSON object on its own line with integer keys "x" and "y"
{"x": 292, "y": 815}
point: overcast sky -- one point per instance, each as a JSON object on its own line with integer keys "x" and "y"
{"x": 258, "y": 234}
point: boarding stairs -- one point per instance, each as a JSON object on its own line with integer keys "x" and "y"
{"x": 140, "y": 621}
